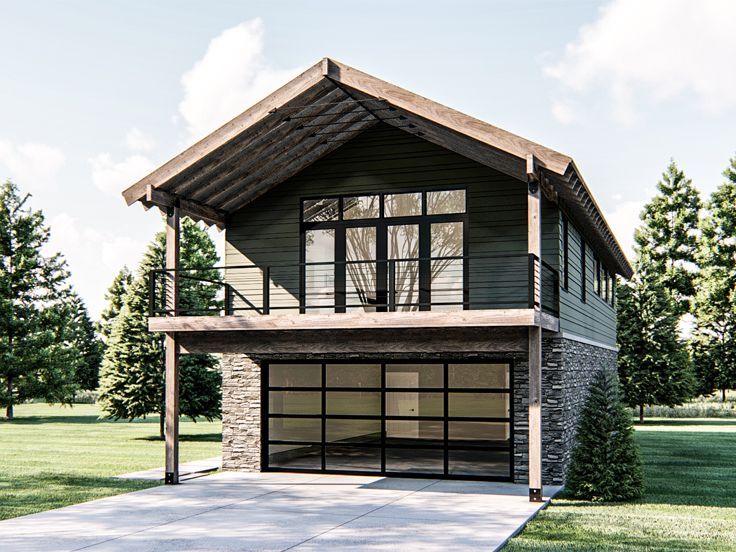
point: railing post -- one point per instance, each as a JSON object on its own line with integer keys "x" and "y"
{"x": 266, "y": 290}
{"x": 228, "y": 299}
{"x": 392, "y": 285}
{"x": 151, "y": 293}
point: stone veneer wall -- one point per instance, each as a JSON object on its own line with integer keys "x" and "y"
{"x": 568, "y": 367}
{"x": 241, "y": 413}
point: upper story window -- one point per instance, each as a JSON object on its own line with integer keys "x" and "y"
{"x": 565, "y": 253}
{"x": 583, "y": 271}
{"x": 390, "y": 251}
{"x": 361, "y": 207}
{"x": 597, "y": 287}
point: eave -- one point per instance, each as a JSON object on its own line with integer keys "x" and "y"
{"x": 328, "y": 105}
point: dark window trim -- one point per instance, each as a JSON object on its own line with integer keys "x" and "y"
{"x": 381, "y": 225}
{"x": 583, "y": 271}
{"x": 565, "y": 253}
{"x": 445, "y": 446}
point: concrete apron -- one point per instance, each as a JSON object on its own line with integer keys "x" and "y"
{"x": 284, "y": 511}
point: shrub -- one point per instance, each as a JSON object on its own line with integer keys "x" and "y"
{"x": 605, "y": 464}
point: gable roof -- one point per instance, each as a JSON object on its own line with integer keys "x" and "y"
{"x": 329, "y": 104}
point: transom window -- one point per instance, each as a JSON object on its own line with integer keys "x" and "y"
{"x": 394, "y": 251}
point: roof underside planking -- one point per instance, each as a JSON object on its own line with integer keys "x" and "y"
{"x": 328, "y": 105}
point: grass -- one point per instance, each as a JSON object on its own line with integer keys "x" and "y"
{"x": 53, "y": 456}
{"x": 689, "y": 502}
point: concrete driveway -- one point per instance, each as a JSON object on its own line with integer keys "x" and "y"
{"x": 283, "y": 511}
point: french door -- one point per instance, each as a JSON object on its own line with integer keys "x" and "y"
{"x": 401, "y": 263}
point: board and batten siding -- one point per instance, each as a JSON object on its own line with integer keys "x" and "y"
{"x": 593, "y": 319}
{"x": 385, "y": 159}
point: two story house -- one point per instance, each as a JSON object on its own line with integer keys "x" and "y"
{"x": 407, "y": 290}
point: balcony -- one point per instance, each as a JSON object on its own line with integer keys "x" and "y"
{"x": 389, "y": 293}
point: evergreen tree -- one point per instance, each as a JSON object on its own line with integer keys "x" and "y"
{"x": 714, "y": 339}
{"x": 653, "y": 363}
{"x": 88, "y": 347}
{"x": 666, "y": 241}
{"x": 605, "y": 464}
{"x": 36, "y": 359}
{"x": 132, "y": 381}
{"x": 115, "y": 296}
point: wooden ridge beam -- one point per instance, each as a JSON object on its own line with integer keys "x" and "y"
{"x": 445, "y": 116}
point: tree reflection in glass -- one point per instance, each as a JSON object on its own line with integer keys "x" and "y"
{"x": 360, "y": 269}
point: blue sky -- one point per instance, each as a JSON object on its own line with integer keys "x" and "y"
{"x": 95, "y": 94}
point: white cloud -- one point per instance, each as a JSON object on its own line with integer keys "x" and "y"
{"x": 31, "y": 165}
{"x": 137, "y": 140}
{"x": 653, "y": 51}
{"x": 232, "y": 75}
{"x": 94, "y": 257}
{"x": 114, "y": 176}
{"x": 623, "y": 219}
{"x": 563, "y": 112}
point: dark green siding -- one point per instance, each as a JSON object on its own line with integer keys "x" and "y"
{"x": 383, "y": 159}
{"x": 594, "y": 318}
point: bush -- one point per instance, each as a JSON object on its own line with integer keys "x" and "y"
{"x": 605, "y": 464}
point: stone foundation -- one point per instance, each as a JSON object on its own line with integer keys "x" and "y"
{"x": 568, "y": 367}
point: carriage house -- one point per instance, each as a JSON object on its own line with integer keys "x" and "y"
{"x": 406, "y": 290}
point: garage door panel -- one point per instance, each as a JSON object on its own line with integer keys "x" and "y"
{"x": 396, "y": 418}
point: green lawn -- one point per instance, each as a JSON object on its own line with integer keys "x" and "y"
{"x": 53, "y": 456}
{"x": 689, "y": 502}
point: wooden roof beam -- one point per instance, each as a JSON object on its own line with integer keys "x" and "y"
{"x": 228, "y": 131}
{"x": 258, "y": 136}
{"x": 192, "y": 209}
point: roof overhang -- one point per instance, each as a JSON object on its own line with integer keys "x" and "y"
{"x": 328, "y": 105}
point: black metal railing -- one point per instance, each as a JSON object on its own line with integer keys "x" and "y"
{"x": 433, "y": 283}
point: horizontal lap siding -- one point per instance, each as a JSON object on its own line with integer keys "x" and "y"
{"x": 594, "y": 319}
{"x": 384, "y": 159}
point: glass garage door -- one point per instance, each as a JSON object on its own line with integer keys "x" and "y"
{"x": 431, "y": 419}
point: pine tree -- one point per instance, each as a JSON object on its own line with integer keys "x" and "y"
{"x": 714, "y": 339}
{"x": 605, "y": 464}
{"x": 653, "y": 363}
{"x": 36, "y": 360}
{"x": 114, "y": 297}
{"x": 666, "y": 241}
{"x": 132, "y": 381}
{"x": 87, "y": 345}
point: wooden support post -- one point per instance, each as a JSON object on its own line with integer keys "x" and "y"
{"x": 172, "y": 348}
{"x": 534, "y": 234}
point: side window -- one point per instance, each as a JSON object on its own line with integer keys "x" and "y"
{"x": 583, "y": 270}
{"x": 565, "y": 253}
{"x": 597, "y": 276}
